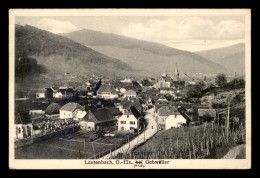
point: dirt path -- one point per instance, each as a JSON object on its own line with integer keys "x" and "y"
{"x": 236, "y": 152}
{"x": 148, "y": 133}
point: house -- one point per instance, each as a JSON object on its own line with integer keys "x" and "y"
{"x": 169, "y": 116}
{"x": 164, "y": 81}
{"x": 127, "y": 122}
{"x": 122, "y": 90}
{"x": 126, "y": 103}
{"x": 162, "y": 114}
{"x": 67, "y": 111}
{"x": 37, "y": 108}
{"x": 116, "y": 113}
{"x": 146, "y": 84}
{"x": 63, "y": 91}
{"x": 174, "y": 120}
{"x": 40, "y": 94}
{"x": 53, "y": 110}
{"x": 130, "y": 94}
{"x": 107, "y": 92}
{"x": 208, "y": 97}
{"x": 206, "y": 115}
{"x": 162, "y": 100}
{"x": 169, "y": 91}
{"x": 97, "y": 119}
{"x": 126, "y": 80}
{"x": 49, "y": 92}
{"x": 194, "y": 114}
{"x": 23, "y": 125}
{"x": 79, "y": 114}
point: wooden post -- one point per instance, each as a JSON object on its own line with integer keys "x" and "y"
{"x": 227, "y": 121}
{"x": 93, "y": 149}
{"x": 85, "y": 147}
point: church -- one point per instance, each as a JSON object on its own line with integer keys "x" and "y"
{"x": 166, "y": 81}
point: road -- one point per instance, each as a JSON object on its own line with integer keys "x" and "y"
{"x": 150, "y": 131}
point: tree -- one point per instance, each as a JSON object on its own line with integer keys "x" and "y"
{"x": 221, "y": 80}
{"x": 195, "y": 90}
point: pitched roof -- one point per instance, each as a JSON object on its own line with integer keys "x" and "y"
{"x": 22, "y": 118}
{"x": 53, "y": 108}
{"x": 130, "y": 92}
{"x": 107, "y": 88}
{"x": 114, "y": 111}
{"x": 128, "y": 102}
{"x": 207, "y": 112}
{"x": 146, "y": 83}
{"x": 102, "y": 115}
{"x": 167, "y": 110}
{"x": 72, "y": 107}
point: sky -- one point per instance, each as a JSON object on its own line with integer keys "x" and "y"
{"x": 191, "y": 33}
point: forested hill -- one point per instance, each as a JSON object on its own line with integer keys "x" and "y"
{"x": 60, "y": 54}
{"x": 139, "y": 53}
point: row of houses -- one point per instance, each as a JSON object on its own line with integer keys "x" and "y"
{"x": 50, "y": 92}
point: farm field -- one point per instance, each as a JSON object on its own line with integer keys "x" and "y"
{"x": 197, "y": 142}
{"x": 71, "y": 146}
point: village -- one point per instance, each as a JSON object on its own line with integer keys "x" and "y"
{"x": 104, "y": 115}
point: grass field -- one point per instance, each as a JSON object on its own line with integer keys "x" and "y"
{"x": 71, "y": 146}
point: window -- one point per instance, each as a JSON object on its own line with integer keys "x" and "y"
{"x": 131, "y": 128}
{"x": 132, "y": 122}
{"x": 123, "y": 122}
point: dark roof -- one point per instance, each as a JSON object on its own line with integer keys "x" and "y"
{"x": 146, "y": 83}
{"x": 66, "y": 91}
{"x": 23, "y": 118}
{"x": 207, "y": 113}
{"x": 114, "y": 111}
{"x": 53, "y": 108}
{"x": 72, "y": 107}
{"x": 102, "y": 114}
{"x": 135, "y": 112}
{"x": 128, "y": 102}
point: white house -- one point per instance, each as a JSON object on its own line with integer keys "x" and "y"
{"x": 130, "y": 94}
{"x": 68, "y": 110}
{"x": 126, "y": 80}
{"x": 40, "y": 94}
{"x": 107, "y": 92}
{"x": 174, "y": 120}
{"x": 127, "y": 122}
{"x": 57, "y": 94}
{"x": 122, "y": 90}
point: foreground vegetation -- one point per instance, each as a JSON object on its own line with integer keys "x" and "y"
{"x": 188, "y": 143}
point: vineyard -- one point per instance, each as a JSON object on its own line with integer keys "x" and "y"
{"x": 189, "y": 143}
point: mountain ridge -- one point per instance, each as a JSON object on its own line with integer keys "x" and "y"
{"x": 116, "y": 45}
{"x": 48, "y": 47}
{"x": 233, "y": 57}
